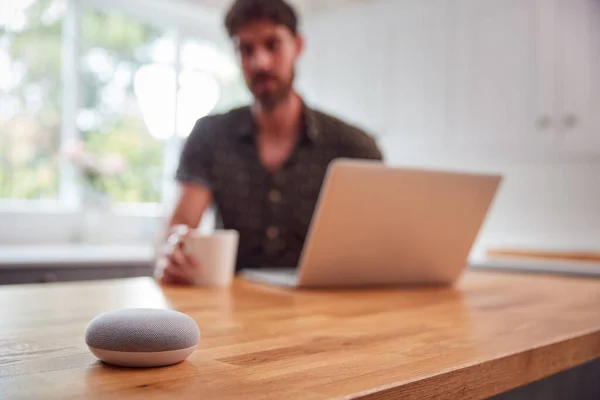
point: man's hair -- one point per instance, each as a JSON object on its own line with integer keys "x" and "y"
{"x": 242, "y": 12}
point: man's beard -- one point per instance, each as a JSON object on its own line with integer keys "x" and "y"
{"x": 270, "y": 99}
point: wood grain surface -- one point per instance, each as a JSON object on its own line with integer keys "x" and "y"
{"x": 491, "y": 333}
{"x": 545, "y": 254}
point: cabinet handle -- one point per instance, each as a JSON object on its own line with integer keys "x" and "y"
{"x": 544, "y": 122}
{"x": 569, "y": 120}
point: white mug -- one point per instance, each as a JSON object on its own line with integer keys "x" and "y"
{"x": 217, "y": 255}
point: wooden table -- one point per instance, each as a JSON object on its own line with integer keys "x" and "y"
{"x": 490, "y": 334}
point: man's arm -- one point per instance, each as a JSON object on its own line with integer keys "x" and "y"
{"x": 192, "y": 201}
{"x": 354, "y": 142}
{"x": 364, "y": 146}
{"x": 194, "y": 177}
{"x": 369, "y": 150}
{"x": 173, "y": 265}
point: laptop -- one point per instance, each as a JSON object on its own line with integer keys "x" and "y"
{"x": 376, "y": 225}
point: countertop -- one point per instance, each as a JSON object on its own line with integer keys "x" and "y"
{"x": 491, "y": 333}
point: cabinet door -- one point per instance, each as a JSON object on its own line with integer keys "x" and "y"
{"x": 503, "y": 86}
{"x": 578, "y": 58}
{"x": 418, "y": 47}
{"x": 342, "y": 67}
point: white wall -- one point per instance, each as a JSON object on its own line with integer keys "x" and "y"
{"x": 551, "y": 206}
{"x": 541, "y": 205}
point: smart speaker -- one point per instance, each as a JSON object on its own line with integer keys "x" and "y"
{"x": 142, "y": 337}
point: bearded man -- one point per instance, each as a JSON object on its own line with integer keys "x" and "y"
{"x": 261, "y": 165}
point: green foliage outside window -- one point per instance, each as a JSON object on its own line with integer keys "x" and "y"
{"x": 118, "y": 126}
{"x": 30, "y": 104}
{"x": 112, "y": 48}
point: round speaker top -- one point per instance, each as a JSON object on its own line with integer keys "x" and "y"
{"x": 142, "y": 330}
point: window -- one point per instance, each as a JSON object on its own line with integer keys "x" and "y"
{"x": 136, "y": 92}
{"x": 115, "y": 50}
{"x": 30, "y": 94}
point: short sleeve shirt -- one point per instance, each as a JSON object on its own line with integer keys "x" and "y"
{"x": 271, "y": 211}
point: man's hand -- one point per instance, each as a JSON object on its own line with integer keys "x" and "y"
{"x": 174, "y": 265}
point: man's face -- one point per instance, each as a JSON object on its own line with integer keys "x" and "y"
{"x": 268, "y": 53}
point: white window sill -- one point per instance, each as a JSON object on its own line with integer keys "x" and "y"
{"x": 74, "y": 255}
{"x": 34, "y": 206}
{"x": 8, "y": 206}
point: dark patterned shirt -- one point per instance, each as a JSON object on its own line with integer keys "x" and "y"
{"x": 271, "y": 212}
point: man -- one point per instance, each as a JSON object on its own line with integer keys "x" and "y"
{"x": 262, "y": 165}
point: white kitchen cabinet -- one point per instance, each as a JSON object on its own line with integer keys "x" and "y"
{"x": 343, "y": 66}
{"x": 418, "y": 50}
{"x": 578, "y": 75}
{"x": 502, "y": 91}
{"x": 510, "y": 79}
{"x": 528, "y": 77}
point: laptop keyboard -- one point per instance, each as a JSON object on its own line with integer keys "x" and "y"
{"x": 281, "y": 276}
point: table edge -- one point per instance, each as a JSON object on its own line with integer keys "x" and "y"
{"x": 529, "y": 365}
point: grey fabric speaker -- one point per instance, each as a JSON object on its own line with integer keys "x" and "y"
{"x": 142, "y": 337}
